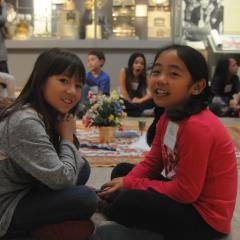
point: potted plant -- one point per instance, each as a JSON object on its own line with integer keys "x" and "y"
{"x": 106, "y": 113}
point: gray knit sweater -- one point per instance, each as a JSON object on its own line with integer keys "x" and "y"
{"x": 27, "y": 155}
{"x": 3, "y": 49}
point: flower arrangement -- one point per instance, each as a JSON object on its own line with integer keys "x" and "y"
{"x": 104, "y": 110}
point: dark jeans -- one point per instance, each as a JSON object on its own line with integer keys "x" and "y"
{"x": 136, "y": 109}
{"x": 158, "y": 213}
{"x": 44, "y": 206}
{"x": 3, "y": 67}
{"x": 223, "y": 110}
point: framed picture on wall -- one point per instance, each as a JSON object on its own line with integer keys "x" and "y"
{"x": 199, "y": 17}
{"x": 159, "y": 24}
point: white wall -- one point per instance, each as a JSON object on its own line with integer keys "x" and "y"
{"x": 21, "y": 62}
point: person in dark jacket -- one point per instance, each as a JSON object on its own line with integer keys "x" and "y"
{"x": 224, "y": 85}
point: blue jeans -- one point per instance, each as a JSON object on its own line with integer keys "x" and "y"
{"x": 44, "y": 206}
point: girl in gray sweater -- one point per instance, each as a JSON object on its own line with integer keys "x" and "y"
{"x": 42, "y": 174}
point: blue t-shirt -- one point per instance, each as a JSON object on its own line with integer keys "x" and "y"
{"x": 102, "y": 81}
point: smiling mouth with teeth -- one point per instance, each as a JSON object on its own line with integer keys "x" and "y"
{"x": 161, "y": 92}
{"x": 68, "y": 101}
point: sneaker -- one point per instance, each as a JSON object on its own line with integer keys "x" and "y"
{"x": 68, "y": 230}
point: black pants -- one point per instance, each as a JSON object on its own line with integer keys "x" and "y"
{"x": 136, "y": 109}
{"x": 158, "y": 213}
{"x": 3, "y": 67}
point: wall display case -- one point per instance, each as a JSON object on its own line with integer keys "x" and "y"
{"x": 94, "y": 19}
{"x": 123, "y": 15}
{"x": 161, "y": 20}
{"x": 159, "y": 25}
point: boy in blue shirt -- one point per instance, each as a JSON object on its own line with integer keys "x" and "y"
{"x": 97, "y": 81}
{"x": 96, "y": 77}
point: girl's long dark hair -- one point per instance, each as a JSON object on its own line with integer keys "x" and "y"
{"x": 129, "y": 73}
{"x": 222, "y": 68}
{"x": 49, "y": 63}
{"x": 198, "y": 69}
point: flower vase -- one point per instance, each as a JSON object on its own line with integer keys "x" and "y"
{"x": 106, "y": 134}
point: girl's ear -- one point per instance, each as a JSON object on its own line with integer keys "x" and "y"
{"x": 198, "y": 87}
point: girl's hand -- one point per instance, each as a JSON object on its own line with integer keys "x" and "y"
{"x": 234, "y": 103}
{"x": 66, "y": 126}
{"x": 136, "y": 100}
{"x": 111, "y": 188}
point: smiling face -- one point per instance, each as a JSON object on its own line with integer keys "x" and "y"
{"x": 138, "y": 66}
{"x": 62, "y": 92}
{"x": 170, "y": 81}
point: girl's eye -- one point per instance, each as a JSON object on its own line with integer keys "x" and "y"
{"x": 78, "y": 86}
{"x": 155, "y": 73}
{"x": 174, "y": 74}
{"x": 64, "y": 80}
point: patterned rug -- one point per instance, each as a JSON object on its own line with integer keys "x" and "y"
{"x": 109, "y": 155}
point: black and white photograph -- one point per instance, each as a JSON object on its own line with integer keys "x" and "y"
{"x": 200, "y": 17}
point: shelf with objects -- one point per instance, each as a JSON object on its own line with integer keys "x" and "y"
{"x": 94, "y": 23}
{"x": 123, "y": 18}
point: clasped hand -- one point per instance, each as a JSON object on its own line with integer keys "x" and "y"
{"x": 110, "y": 189}
{"x": 66, "y": 126}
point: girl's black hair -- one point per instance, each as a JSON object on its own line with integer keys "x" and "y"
{"x": 198, "y": 69}
{"x": 51, "y": 62}
{"x": 129, "y": 73}
{"x": 152, "y": 129}
{"x": 222, "y": 68}
{"x": 100, "y": 55}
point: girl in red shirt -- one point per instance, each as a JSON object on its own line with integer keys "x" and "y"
{"x": 195, "y": 198}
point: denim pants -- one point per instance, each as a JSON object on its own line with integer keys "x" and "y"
{"x": 44, "y": 206}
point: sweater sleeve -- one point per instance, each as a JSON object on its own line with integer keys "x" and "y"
{"x": 193, "y": 147}
{"x": 31, "y": 149}
{"x": 236, "y": 85}
{"x": 217, "y": 86}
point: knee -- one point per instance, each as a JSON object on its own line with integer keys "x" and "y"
{"x": 122, "y": 169}
{"x": 86, "y": 200}
{"x": 84, "y": 173}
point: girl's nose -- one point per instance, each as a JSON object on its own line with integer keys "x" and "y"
{"x": 72, "y": 89}
{"x": 161, "y": 78}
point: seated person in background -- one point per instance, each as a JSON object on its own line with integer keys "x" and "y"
{"x": 97, "y": 80}
{"x": 224, "y": 85}
{"x": 133, "y": 86}
{"x": 7, "y": 85}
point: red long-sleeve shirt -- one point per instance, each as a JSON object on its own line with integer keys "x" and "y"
{"x": 203, "y": 168}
